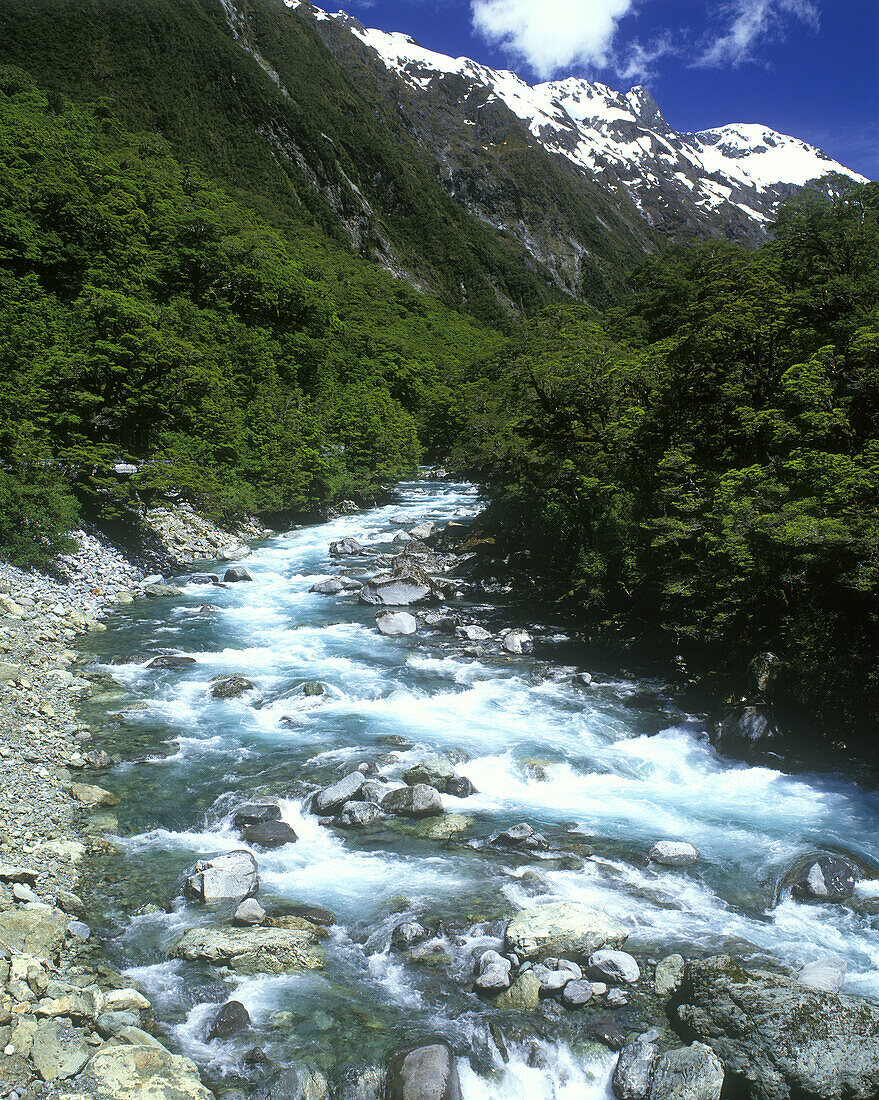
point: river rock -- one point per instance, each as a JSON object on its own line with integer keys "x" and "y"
{"x": 825, "y": 974}
{"x": 171, "y": 660}
{"x": 473, "y": 633}
{"x": 395, "y": 623}
{"x": 312, "y": 688}
{"x": 37, "y": 931}
{"x": 423, "y": 530}
{"x": 58, "y": 1050}
{"x": 744, "y": 730}
{"x": 257, "y": 950}
{"x": 688, "y": 1073}
{"x": 576, "y": 993}
{"x": 634, "y": 1070}
{"x": 232, "y": 876}
{"x": 255, "y": 813}
{"x": 159, "y": 591}
{"x": 249, "y": 912}
{"x": 269, "y": 834}
{"x": 395, "y": 591}
{"x": 140, "y": 1070}
{"x": 332, "y": 799}
{"x": 231, "y": 1018}
{"x": 330, "y": 587}
{"x": 89, "y": 795}
{"x": 358, "y": 815}
{"x": 673, "y": 853}
{"x": 523, "y": 994}
{"x": 552, "y": 980}
{"x": 494, "y": 973}
{"x": 668, "y": 976}
{"x": 292, "y": 1083}
{"x": 781, "y": 1039}
{"x": 343, "y": 548}
{"x": 459, "y": 786}
{"x": 613, "y": 966}
{"x": 565, "y": 928}
{"x": 418, "y": 801}
{"x": 434, "y": 771}
{"x": 582, "y": 680}
{"x": 517, "y": 641}
{"x": 407, "y": 934}
{"x": 827, "y": 878}
{"x": 423, "y": 1073}
{"x": 236, "y": 574}
{"x": 523, "y": 837}
{"x": 231, "y": 687}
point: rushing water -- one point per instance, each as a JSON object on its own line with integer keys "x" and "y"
{"x": 601, "y": 767}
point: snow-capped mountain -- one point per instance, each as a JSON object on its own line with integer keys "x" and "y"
{"x": 725, "y": 181}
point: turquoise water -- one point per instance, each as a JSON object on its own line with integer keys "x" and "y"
{"x": 585, "y": 768}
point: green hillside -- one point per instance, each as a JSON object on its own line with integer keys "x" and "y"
{"x": 148, "y": 316}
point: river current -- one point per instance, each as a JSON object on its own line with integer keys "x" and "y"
{"x": 615, "y": 768}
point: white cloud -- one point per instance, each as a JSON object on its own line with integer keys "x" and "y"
{"x": 639, "y": 61}
{"x": 751, "y": 22}
{"x": 552, "y": 35}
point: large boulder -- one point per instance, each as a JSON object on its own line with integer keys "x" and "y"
{"x": 434, "y": 771}
{"x": 779, "y": 1038}
{"x": 634, "y": 1069}
{"x": 673, "y": 853}
{"x": 269, "y": 834}
{"x": 231, "y": 687}
{"x": 139, "y": 1069}
{"x": 423, "y": 530}
{"x": 613, "y": 967}
{"x": 825, "y": 878}
{"x": 332, "y": 799}
{"x": 423, "y": 1073}
{"x": 418, "y": 801}
{"x": 231, "y": 1018}
{"x": 358, "y": 815}
{"x": 232, "y": 876}
{"x": 38, "y": 930}
{"x": 256, "y": 950}
{"x": 171, "y": 660}
{"x": 58, "y": 1050}
{"x": 562, "y": 928}
{"x": 236, "y": 574}
{"x": 255, "y": 813}
{"x": 517, "y": 641}
{"x": 395, "y": 623}
{"x": 494, "y": 973}
{"x": 399, "y": 589}
{"x": 343, "y": 548}
{"x": 523, "y": 995}
{"x": 744, "y": 730}
{"x": 688, "y": 1073}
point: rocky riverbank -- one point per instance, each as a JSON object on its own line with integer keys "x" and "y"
{"x": 70, "y": 1025}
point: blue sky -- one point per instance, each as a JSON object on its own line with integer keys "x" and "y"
{"x": 804, "y": 67}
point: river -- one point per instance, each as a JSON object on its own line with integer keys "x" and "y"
{"x": 614, "y": 768}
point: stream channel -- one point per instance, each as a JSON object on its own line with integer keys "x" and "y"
{"x": 613, "y": 768}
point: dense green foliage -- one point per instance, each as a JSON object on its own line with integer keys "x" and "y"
{"x": 319, "y": 153}
{"x": 148, "y": 317}
{"x": 706, "y": 458}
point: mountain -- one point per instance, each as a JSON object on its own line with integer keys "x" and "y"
{"x": 495, "y": 196}
{"x": 476, "y": 120}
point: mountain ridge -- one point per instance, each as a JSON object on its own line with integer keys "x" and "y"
{"x": 734, "y": 169}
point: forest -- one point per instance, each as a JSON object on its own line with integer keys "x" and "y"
{"x": 701, "y": 458}
{"x": 150, "y": 319}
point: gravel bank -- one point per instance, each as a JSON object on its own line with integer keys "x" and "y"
{"x": 70, "y": 1026}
